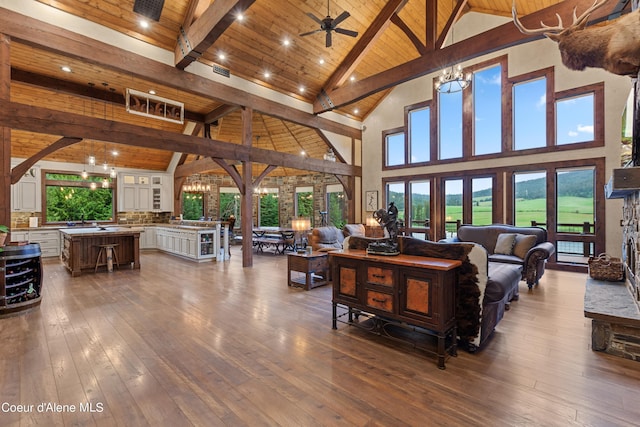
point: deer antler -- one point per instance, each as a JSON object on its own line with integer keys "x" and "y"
{"x": 577, "y": 21}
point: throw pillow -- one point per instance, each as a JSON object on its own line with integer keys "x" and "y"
{"x": 505, "y": 243}
{"x": 524, "y": 242}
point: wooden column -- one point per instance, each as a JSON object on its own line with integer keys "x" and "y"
{"x": 246, "y": 203}
{"x": 5, "y": 132}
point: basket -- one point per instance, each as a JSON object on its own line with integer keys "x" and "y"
{"x": 605, "y": 267}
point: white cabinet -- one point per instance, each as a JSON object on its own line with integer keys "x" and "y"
{"x": 179, "y": 241}
{"x": 161, "y": 193}
{"x": 49, "y": 241}
{"x": 148, "y": 238}
{"x": 19, "y": 236}
{"x": 25, "y": 194}
{"x": 135, "y": 193}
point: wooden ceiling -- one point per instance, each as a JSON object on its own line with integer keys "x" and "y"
{"x": 390, "y": 33}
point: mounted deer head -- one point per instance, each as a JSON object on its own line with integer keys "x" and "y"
{"x": 614, "y": 46}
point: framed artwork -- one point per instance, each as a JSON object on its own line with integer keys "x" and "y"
{"x": 371, "y": 200}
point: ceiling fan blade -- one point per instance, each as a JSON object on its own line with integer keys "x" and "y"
{"x": 310, "y": 32}
{"x": 346, "y": 32}
{"x": 344, "y": 15}
{"x": 328, "y": 39}
{"x": 315, "y": 18}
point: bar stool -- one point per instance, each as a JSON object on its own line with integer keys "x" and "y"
{"x": 110, "y": 254}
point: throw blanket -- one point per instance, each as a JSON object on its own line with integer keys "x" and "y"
{"x": 472, "y": 277}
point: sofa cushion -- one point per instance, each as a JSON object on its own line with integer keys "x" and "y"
{"x": 503, "y": 278}
{"x": 509, "y": 259}
{"x": 505, "y": 243}
{"x": 353, "y": 230}
{"x": 524, "y": 242}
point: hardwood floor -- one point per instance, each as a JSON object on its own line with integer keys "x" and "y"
{"x": 178, "y": 343}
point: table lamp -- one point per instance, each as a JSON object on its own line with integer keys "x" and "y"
{"x": 299, "y": 226}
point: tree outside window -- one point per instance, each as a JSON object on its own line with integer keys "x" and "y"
{"x": 69, "y": 197}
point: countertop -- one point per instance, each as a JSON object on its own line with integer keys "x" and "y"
{"x": 98, "y": 231}
{"x": 210, "y": 225}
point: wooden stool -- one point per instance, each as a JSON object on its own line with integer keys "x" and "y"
{"x": 110, "y": 254}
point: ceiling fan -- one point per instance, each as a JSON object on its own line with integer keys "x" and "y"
{"x": 329, "y": 24}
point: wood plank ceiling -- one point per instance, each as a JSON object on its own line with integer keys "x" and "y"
{"x": 390, "y": 33}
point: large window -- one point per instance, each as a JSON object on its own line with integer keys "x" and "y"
{"x": 487, "y": 107}
{"x": 419, "y": 221}
{"x": 269, "y": 208}
{"x": 453, "y": 211}
{"x": 304, "y": 203}
{"x": 192, "y": 205}
{"x": 419, "y": 124}
{"x": 575, "y": 213}
{"x": 482, "y": 202}
{"x": 69, "y": 197}
{"x": 230, "y": 204}
{"x": 450, "y": 125}
{"x": 394, "y": 149}
{"x": 530, "y": 114}
{"x": 575, "y": 119}
{"x": 395, "y": 194}
{"x": 336, "y": 205}
{"x": 530, "y": 198}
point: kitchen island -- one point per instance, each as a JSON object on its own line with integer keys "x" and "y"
{"x": 80, "y": 247}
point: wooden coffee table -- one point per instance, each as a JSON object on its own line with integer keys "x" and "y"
{"x": 317, "y": 262}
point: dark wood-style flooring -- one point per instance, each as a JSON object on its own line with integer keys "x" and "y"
{"x": 178, "y": 343}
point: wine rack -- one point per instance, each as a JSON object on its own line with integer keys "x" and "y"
{"x": 21, "y": 269}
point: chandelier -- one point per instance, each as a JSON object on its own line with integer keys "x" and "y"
{"x": 452, "y": 80}
{"x": 196, "y": 187}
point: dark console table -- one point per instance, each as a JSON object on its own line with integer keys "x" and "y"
{"x": 400, "y": 297}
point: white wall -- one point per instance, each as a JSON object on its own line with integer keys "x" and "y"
{"x": 521, "y": 59}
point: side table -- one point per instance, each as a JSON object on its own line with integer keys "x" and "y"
{"x": 317, "y": 262}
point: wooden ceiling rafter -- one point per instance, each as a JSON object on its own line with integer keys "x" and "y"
{"x": 498, "y": 38}
{"x": 64, "y": 42}
{"x": 256, "y": 182}
{"x": 71, "y": 88}
{"x": 421, "y": 48}
{"x": 362, "y": 46}
{"x": 46, "y": 121}
{"x": 19, "y": 170}
{"x": 220, "y": 112}
{"x": 453, "y": 18}
{"x": 195, "y": 39}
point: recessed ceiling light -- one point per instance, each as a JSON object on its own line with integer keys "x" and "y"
{"x": 267, "y": 74}
{"x": 303, "y": 153}
{"x": 286, "y": 42}
{"x": 321, "y": 61}
{"x": 240, "y": 17}
{"x": 144, "y": 23}
{"x": 352, "y": 78}
{"x": 356, "y": 111}
{"x": 301, "y": 89}
{"x": 152, "y": 92}
{"x": 66, "y": 68}
{"x": 222, "y": 56}
{"x": 114, "y": 152}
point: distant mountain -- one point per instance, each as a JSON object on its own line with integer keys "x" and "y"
{"x": 575, "y": 183}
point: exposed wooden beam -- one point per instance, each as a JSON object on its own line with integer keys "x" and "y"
{"x": 431, "y": 24}
{"x": 356, "y": 54}
{"x": 232, "y": 170}
{"x": 421, "y": 48}
{"x": 263, "y": 175}
{"x": 499, "y": 38}
{"x": 67, "y": 43}
{"x": 19, "y": 170}
{"x": 195, "y": 39}
{"x": 453, "y": 18}
{"x": 87, "y": 91}
{"x": 220, "y": 112}
{"x": 43, "y": 120}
